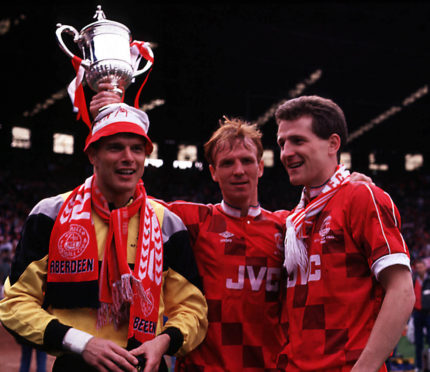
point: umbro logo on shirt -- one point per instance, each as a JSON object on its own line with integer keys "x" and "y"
{"x": 226, "y": 237}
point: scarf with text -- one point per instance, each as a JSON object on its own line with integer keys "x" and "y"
{"x": 123, "y": 294}
{"x": 303, "y": 216}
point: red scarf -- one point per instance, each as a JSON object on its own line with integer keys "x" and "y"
{"x": 123, "y": 294}
{"x": 303, "y": 216}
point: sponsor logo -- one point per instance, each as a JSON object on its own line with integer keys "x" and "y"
{"x": 73, "y": 242}
{"x": 302, "y": 277}
{"x": 226, "y": 235}
{"x": 266, "y": 278}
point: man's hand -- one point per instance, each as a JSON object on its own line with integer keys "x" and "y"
{"x": 153, "y": 351}
{"x": 104, "y": 97}
{"x": 360, "y": 177}
{"x": 106, "y": 356}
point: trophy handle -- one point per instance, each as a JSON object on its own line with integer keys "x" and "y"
{"x": 147, "y": 65}
{"x": 71, "y": 31}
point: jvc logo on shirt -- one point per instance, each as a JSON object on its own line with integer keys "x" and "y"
{"x": 256, "y": 276}
{"x": 312, "y": 274}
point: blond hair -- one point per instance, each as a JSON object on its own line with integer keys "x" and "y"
{"x": 229, "y": 131}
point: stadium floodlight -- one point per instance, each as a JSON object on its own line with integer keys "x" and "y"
{"x": 413, "y": 161}
{"x": 63, "y": 143}
{"x": 345, "y": 159}
{"x": 268, "y": 158}
{"x": 21, "y": 138}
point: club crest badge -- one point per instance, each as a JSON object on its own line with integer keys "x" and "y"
{"x": 147, "y": 302}
{"x": 325, "y": 229}
{"x": 73, "y": 242}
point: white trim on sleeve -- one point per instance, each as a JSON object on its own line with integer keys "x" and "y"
{"x": 75, "y": 340}
{"x": 390, "y": 260}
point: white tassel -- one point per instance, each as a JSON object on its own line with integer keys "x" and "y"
{"x": 116, "y": 296}
{"x": 104, "y": 315}
{"x": 127, "y": 290}
{"x": 296, "y": 254}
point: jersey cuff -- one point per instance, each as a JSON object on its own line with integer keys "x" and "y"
{"x": 390, "y": 260}
{"x": 54, "y": 335}
{"x": 176, "y": 339}
{"x": 75, "y": 340}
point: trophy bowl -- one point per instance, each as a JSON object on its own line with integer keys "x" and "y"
{"x": 105, "y": 47}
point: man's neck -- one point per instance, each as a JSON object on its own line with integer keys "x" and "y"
{"x": 117, "y": 203}
{"x": 313, "y": 191}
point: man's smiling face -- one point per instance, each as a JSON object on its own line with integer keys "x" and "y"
{"x": 237, "y": 170}
{"x": 119, "y": 163}
{"x": 307, "y": 158}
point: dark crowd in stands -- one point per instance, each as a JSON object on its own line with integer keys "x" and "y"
{"x": 20, "y": 191}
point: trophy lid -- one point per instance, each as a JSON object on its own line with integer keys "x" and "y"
{"x": 102, "y": 22}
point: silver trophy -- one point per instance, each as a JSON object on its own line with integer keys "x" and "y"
{"x": 105, "y": 47}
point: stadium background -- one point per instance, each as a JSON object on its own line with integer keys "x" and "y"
{"x": 372, "y": 58}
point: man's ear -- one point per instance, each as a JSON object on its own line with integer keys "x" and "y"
{"x": 260, "y": 168}
{"x": 91, "y": 153}
{"x": 334, "y": 143}
{"x": 213, "y": 172}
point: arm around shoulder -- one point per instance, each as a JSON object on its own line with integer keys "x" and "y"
{"x": 183, "y": 300}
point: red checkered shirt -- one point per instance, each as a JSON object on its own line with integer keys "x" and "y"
{"x": 331, "y": 309}
{"x": 240, "y": 261}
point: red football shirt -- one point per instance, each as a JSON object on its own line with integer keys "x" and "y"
{"x": 240, "y": 261}
{"x": 331, "y": 308}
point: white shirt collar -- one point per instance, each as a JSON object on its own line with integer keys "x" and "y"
{"x": 253, "y": 211}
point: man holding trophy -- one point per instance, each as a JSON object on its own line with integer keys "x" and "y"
{"x": 97, "y": 268}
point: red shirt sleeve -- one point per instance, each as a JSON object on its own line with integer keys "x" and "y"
{"x": 191, "y": 214}
{"x": 375, "y": 222}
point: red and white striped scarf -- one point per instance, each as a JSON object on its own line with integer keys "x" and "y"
{"x": 123, "y": 294}
{"x": 296, "y": 254}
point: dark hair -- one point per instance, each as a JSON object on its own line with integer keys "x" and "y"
{"x": 229, "y": 131}
{"x": 327, "y": 116}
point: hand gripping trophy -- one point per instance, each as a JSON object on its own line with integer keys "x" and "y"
{"x": 109, "y": 56}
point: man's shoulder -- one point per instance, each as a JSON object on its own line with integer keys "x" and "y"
{"x": 190, "y": 206}
{"x": 361, "y": 198}
{"x": 50, "y": 206}
{"x": 356, "y": 191}
{"x": 189, "y": 212}
{"x": 169, "y": 220}
{"x": 280, "y": 214}
{"x": 157, "y": 205}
